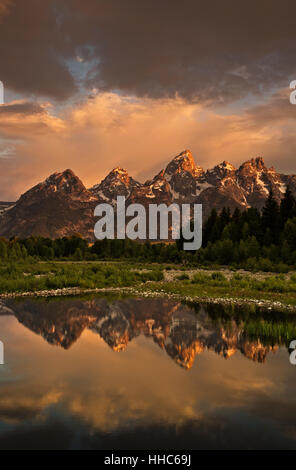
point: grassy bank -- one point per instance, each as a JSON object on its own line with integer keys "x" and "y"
{"x": 24, "y": 277}
{"x": 274, "y": 288}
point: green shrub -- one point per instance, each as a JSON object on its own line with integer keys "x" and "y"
{"x": 200, "y": 278}
{"x": 182, "y": 277}
{"x": 217, "y": 276}
{"x": 282, "y": 268}
{"x": 264, "y": 264}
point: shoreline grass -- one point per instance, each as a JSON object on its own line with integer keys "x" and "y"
{"x": 34, "y": 277}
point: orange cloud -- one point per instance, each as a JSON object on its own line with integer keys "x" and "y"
{"x": 140, "y": 134}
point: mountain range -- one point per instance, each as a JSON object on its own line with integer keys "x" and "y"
{"x": 62, "y": 206}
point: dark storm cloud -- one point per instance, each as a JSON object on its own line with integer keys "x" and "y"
{"x": 32, "y": 49}
{"x": 25, "y": 108}
{"x": 215, "y": 50}
{"x": 208, "y": 50}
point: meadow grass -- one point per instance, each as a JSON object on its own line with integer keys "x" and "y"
{"x": 24, "y": 277}
{"x": 18, "y": 277}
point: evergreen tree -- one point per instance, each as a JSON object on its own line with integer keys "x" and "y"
{"x": 286, "y": 252}
{"x": 270, "y": 217}
{"x": 78, "y": 255}
{"x": 208, "y": 228}
{"x": 24, "y": 252}
{"x": 245, "y": 231}
{"x": 290, "y": 233}
{"x": 287, "y": 207}
{"x": 252, "y": 247}
{"x": 254, "y": 220}
{"x": 224, "y": 219}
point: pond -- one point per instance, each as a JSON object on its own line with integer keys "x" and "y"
{"x": 139, "y": 373}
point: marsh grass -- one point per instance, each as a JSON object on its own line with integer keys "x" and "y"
{"x": 32, "y": 276}
{"x": 277, "y": 283}
{"x": 278, "y": 331}
{"x": 24, "y": 277}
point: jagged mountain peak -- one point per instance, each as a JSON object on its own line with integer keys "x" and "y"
{"x": 116, "y": 183}
{"x": 184, "y": 162}
{"x": 118, "y": 171}
{"x": 226, "y": 165}
{"x": 61, "y": 205}
{"x": 65, "y": 182}
{"x": 219, "y": 172}
{"x": 65, "y": 176}
{"x": 116, "y": 176}
{"x": 222, "y": 168}
{"x": 259, "y": 162}
{"x": 186, "y": 154}
{"x": 256, "y": 164}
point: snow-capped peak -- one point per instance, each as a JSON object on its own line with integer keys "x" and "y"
{"x": 119, "y": 171}
{"x": 226, "y": 165}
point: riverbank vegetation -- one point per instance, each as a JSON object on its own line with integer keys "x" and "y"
{"x": 76, "y": 276}
{"x": 276, "y": 288}
{"x": 30, "y": 276}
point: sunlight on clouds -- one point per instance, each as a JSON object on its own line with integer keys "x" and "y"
{"x": 140, "y": 134}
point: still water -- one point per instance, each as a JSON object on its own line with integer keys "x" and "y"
{"x": 126, "y": 373}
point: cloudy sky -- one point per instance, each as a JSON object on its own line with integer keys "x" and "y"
{"x": 94, "y": 84}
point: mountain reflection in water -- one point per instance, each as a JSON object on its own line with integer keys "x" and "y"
{"x": 138, "y": 373}
{"x": 177, "y": 328}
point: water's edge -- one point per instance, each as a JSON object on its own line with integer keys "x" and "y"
{"x": 74, "y": 291}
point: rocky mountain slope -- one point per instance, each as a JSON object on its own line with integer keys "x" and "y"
{"x": 61, "y": 205}
{"x": 223, "y": 185}
{"x": 4, "y": 206}
{"x": 116, "y": 183}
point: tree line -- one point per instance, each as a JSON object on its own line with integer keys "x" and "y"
{"x": 251, "y": 239}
